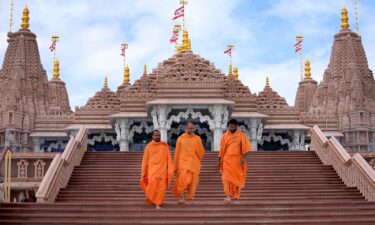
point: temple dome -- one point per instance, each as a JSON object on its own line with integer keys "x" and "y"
{"x": 268, "y": 99}
{"x": 104, "y": 100}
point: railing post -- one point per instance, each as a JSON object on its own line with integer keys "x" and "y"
{"x": 7, "y": 175}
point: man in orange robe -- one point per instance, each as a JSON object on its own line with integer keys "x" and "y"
{"x": 157, "y": 170}
{"x": 187, "y": 163}
{"x": 232, "y": 160}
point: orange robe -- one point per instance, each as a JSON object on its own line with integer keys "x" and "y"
{"x": 157, "y": 171}
{"x": 187, "y": 162}
{"x": 232, "y": 148}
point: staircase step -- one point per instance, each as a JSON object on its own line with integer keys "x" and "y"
{"x": 281, "y": 188}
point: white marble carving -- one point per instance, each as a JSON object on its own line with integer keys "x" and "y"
{"x": 139, "y": 129}
{"x": 56, "y": 145}
{"x": 100, "y": 138}
{"x": 159, "y": 118}
{"x": 122, "y": 128}
{"x": 272, "y": 136}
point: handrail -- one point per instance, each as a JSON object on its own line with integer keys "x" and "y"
{"x": 62, "y": 166}
{"x": 354, "y": 171}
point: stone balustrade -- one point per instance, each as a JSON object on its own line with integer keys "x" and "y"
{"x": 353, "y": 170}
{"x": 61, "y": 168}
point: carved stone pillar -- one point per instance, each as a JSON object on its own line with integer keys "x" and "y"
{"x": 159, "y": 118}
{"x": 255, "y": 131}
{"x": 298, "y": 140}
{"x": 220, "y": 118}
{"x": 36, "y": 143}
{"x": 122, "y": 128}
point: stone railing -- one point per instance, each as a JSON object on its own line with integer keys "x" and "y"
{"x": 61, "y": 168}
{"x": 354, "y": 171}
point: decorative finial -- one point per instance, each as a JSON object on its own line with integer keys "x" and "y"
{"x": 145, "y": 70}
{"x": 186, "y": 45}
{"x": 344, "y": 19}
{"x": 56, "y": 69}
{"x": 307, "y": 69}
{"x": 267, "y": 81}
{"x": 106, "y": 82}
{"x": 25, "y": 18}
{"x": 126, "y": 75}
{"x": 235, "y": 73}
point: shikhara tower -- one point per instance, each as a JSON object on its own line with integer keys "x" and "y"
{"x": 347, "y": 91}
{"x": 25, "y": 92}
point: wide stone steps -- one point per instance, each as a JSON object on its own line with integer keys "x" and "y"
{"x": 281, "y": 188}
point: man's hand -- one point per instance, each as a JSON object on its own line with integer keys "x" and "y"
{"x": 243, "y": 160}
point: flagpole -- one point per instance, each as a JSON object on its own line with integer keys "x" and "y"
{"x": 124, "y": 46}
{"x": 183, "y": 3}
{"x": 11, "y": 15}
{"x": 300, "y": 38}
{"x": 229, "y": 49}
{"x": 356, "y": 15}
{"x": 55, "y": 39}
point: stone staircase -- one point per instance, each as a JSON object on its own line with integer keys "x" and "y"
{"x": 281, "y": 188}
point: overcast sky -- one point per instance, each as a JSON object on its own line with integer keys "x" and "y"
{"x": 262, "y": 31}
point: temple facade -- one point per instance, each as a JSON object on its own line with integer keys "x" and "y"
{"x": 35, "y": 114}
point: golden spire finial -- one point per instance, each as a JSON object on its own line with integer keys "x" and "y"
{"x": 307, "y": 69}
{"x": 230, "y": 69}
{"x": 105, "y": 82}
{"x": 235, "y": 73}
{"x": 145, "y": 70}
{"x": 25, "y": 18}
{"x": 344, "y": 19}
{"x": 56, "y": 69}
{"x": 126, "y": 75}
{"x": 186, "y": 45}
{"x": 267, "y": 81}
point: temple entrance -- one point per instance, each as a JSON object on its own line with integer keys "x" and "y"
{"x": 273, "y": 146}
{"x": 178, "y": 119}
{"x": 102, "y": 142}
{"x": 201, "y": 129}
{"x": 140, "y": 135}
{"x": 275, "y": 142}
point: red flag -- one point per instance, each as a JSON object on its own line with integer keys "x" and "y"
{"x": 173, "y": 40}
{"x": 228, "y": 51}
{"x": 122, "y": 52}
{"x": 178, "y": 13}
{"x": 53, "y": 46}
{"x": 174, "y": 37}
{"x": 298, "y": 46}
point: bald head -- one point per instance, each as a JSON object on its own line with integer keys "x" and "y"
{"x": 189, "y": 127}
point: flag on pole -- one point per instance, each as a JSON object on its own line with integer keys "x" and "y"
{"x": 179, "y": 12}
{"x": 298, "y": 45}
{"x": 123, "y": 51}
{"x": 53, "y": 46}
{"x": 174, "y": 37}
{"x": 228, "y": 51}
